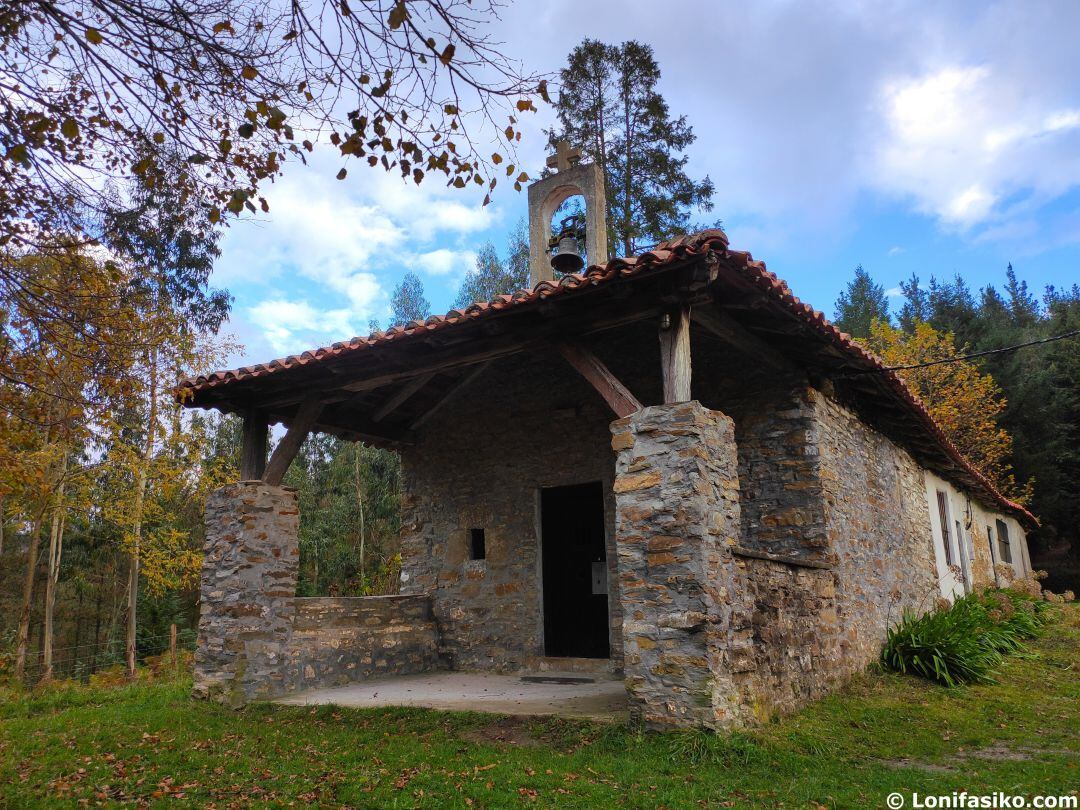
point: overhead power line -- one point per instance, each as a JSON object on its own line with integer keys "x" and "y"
{"x": 974, "y": 355}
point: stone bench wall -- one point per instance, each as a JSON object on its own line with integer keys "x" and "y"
{"x": 258, "y": 640}
{"x": 338, "y": 640}
{"x": 786, "y": 619}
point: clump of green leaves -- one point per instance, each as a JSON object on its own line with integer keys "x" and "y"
{"x": 699, "y": 747}
{"x": 966, "y": 641}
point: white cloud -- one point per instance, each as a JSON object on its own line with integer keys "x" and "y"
{"x": 328, "y": 253}
{"x": 953, "y": 110}
{"x": 931, "y": 109}
{"x": 424, "y": 212}
{"x": 969, "y": 206}
{"x": 895, "y": 250}
{"x": 443, "y": 261}
{"x": 961, "y": 140}
{"x": 289, "y": 326}
{"x": 317, "y": 232}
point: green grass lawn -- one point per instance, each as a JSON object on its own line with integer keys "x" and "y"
{"x": 152, "y": 744}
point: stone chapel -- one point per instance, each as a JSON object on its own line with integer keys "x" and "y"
{"x": 665, "y": 466}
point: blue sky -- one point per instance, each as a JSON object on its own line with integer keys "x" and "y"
{"x": 910, "y": 138}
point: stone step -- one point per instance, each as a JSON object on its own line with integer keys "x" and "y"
{"x": 546, "y": 665}
{"x": 564, "y": 678}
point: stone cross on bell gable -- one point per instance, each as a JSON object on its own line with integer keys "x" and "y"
{"x": 564, "y": 157}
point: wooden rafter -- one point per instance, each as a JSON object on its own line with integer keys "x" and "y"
{"x": 306, "y": 417}
{"x": 455, "y": 389}
{"x": 398, "y": 399}
{"x": 607, "y": 385}
{"x": 453, "y": 357}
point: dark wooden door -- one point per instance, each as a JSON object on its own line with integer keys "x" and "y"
{"x": 574, "y": 570}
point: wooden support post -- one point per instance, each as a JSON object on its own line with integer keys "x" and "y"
{"x": 172, "y": 645}
{"x": 456, "y": 389}
{"x": 675, "y": 354}
{"x": 402, "y": 395}
{"x": 253, "y": 451}
{"x": 286, "y": 451}
{"x": 607, "y": 385}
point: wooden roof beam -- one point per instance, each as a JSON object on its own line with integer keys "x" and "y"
{"x": 501, "y": 347}
{"x": 289, "y": 446}
{"x": 455, "y": 389}
{"x": 253, "y": 446}
{"x": 675, "y": 364}
{"x": 398, "y": 399}
{"x": 607, "y": 385}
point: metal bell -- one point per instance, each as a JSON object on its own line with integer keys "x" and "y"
{"x": 567, "y": 258}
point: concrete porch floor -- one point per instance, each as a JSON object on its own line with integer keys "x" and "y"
{"x": 603, "y": 700}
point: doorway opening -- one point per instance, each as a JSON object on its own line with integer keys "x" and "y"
{"x": 574, "y": 571}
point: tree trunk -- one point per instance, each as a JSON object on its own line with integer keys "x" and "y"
{"x": 602, "y": 130}
{"x": 97, "y": 627}
{"x": 360, "y": 504}
{"x": 137, "y": 522}
{"x": 132, "y": 605}
{"x": 23, "y": 635}
{"x": 52, "y": 575}
{"x": 75, "y": 645}
{"x": 52, "y": 578}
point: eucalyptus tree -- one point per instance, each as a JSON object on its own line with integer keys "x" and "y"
{"x": 494, "y": 276}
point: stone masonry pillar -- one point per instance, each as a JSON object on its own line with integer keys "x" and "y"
{"x": 250, "y": 563}
{"x": 677, "y": 514}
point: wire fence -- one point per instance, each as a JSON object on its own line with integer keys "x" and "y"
{"x": 78, "y": 662}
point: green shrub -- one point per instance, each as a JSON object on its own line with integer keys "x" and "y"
{"x": 966, "y": 641}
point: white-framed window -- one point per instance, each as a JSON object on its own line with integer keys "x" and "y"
{"x": 943, "y": 517}
{"x": 1004, "y": 546}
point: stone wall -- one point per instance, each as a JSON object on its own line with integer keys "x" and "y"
{"x": 816, "y": 619}
{"x": 733, "y": 617}
{"x": 250, "y": 561}
{"x": 525, "y": 424}
{"x": 677, "y": 493}
{"x": 879, "y": 530}
{"x": 782, "y": 500}
{"x": 257, "y": 640}
{"x": 729, "y": 619}
{"x": 338, "y": 640}
{"x": 785, "y": 613}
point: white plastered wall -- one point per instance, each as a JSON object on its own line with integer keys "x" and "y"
{"x": 950, "y": 579}
{"x": 973, "y": 517}
{"x": 986, "y": 519}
